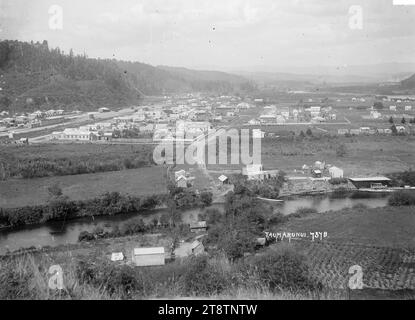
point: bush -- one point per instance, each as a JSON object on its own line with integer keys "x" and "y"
{"x": 123, "y": 281}
{"x": 402, "y": 198}
{"x": 115, "y": 280}
{"x": 284, "y": 269}
{"x": 277, "y": 218}
{"x": 236, "y": 243}
{"x": 300, "y": 212}
{"x": 337, "y": 181}
{"x": 206, "y": 197}
{"x": 212, "y": 216}
{"x": 62, "y": 208}
{"x": 201, "y": 279}
{"x": 85, "y": 236}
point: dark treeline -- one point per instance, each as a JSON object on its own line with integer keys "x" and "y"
{"x": 61, "y": 208}
{"x": 406, "y": 178}
{"x": 36, "y": 76}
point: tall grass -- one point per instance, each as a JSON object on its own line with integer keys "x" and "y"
{"x": 26, "y": 277}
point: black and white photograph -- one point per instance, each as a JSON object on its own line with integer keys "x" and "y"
{"x": 196, "y": 154}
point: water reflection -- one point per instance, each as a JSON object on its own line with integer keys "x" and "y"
{"x": 59, "y": 233}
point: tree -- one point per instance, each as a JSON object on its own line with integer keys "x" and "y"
{"x": 309, "y": 132}
{"x": 302, "y": 135}
{"x": 403, "y": 121}
{"x": 55, "y": 190}
{"x": 378, "y": 105}
{"x": 391, "y": 120}
{"x": 206, "y": 197}
{"x": 394, "y": 130}
{"x": 341, "y": 150}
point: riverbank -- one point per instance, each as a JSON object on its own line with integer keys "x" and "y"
{"x": 69, "y": 230}
{"x": 354, "y": 237}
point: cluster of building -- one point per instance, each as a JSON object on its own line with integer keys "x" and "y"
{"x": 32, "y": 120}
{"x": 179, "y": 117}
{"x": 372, "y": 131}
{"x": 320, "y": 169}
{"x": 183, "y": 179}
{"x": 282, "y": 114}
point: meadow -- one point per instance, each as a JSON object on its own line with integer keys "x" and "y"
{"x": 364, "y": 156}
{"x": 136, "y": 182}
{"x": 43, "y": 160}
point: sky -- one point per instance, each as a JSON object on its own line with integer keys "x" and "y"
{"x": 220, "y": 34}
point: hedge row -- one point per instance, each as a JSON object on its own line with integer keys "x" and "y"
{"x": 62, "y": 208}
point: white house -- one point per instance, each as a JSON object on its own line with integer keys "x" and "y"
{"x": 179, "y": 173}
{"x": 103, "y": 109}
{"x": 392, "y": 108}
{"x": 375, "y": 114}
{"x": 254, "y": 172}
{"x": 408, "y": 108}
{"x": 336, "y": 172}
{"x": 117, "y": 256}
{"x": 148, "y": 256}
{"x": 223, "y": 179}
{"x": 319, "y": 165}
{"x": 73, "y": 134}
{"x": 342, "y": 131}
{"x": 181, "y": 182}
{"x": 400, "y": 129}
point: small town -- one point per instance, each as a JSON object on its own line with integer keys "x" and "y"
{"x": 192, "y": 152}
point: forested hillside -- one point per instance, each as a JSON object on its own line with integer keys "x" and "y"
{"x": 409, "y": 83}
{"x": 34, "y": 76}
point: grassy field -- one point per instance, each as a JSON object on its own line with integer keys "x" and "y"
{"x": 366, "y": 155}
{"x": 388, "y": 226}
{"x": 143, "y": 181}
{"x": 63, "y": 159}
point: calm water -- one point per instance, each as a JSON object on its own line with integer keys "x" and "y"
{"x": 45, "y": 235}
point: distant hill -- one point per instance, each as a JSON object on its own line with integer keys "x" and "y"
{"x": 408, "y": 83}
{"x": 34, "y": 76}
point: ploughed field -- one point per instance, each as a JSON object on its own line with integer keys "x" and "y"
{"x": 383, "y": 268}
{"x": 380, "y": 240}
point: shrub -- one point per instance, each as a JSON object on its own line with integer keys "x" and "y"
{"x": 206, "y": 198}
{"x": 337, "y": 181}
{"x": 123, "y": 281}
{"x": 284, "y": 268}
{"x": 277, "y": 218}
{"x": 402, "y": 198}
{"x": 300, "y": 212}
{"x": 55, "y": 190}
{"x": 201, "y": 279}
{"x": 85, "y": 236}
{"x": 212, "y": 216}
{"x": 117, "y": 280}
{"x": 236, "y": 243}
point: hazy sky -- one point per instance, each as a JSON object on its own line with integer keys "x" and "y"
{"x": 220, "y": 33}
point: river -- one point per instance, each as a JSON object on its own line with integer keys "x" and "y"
{"x": 61, "y": 233}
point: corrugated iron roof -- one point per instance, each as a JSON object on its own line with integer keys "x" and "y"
{"x": 153, "y": 250}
